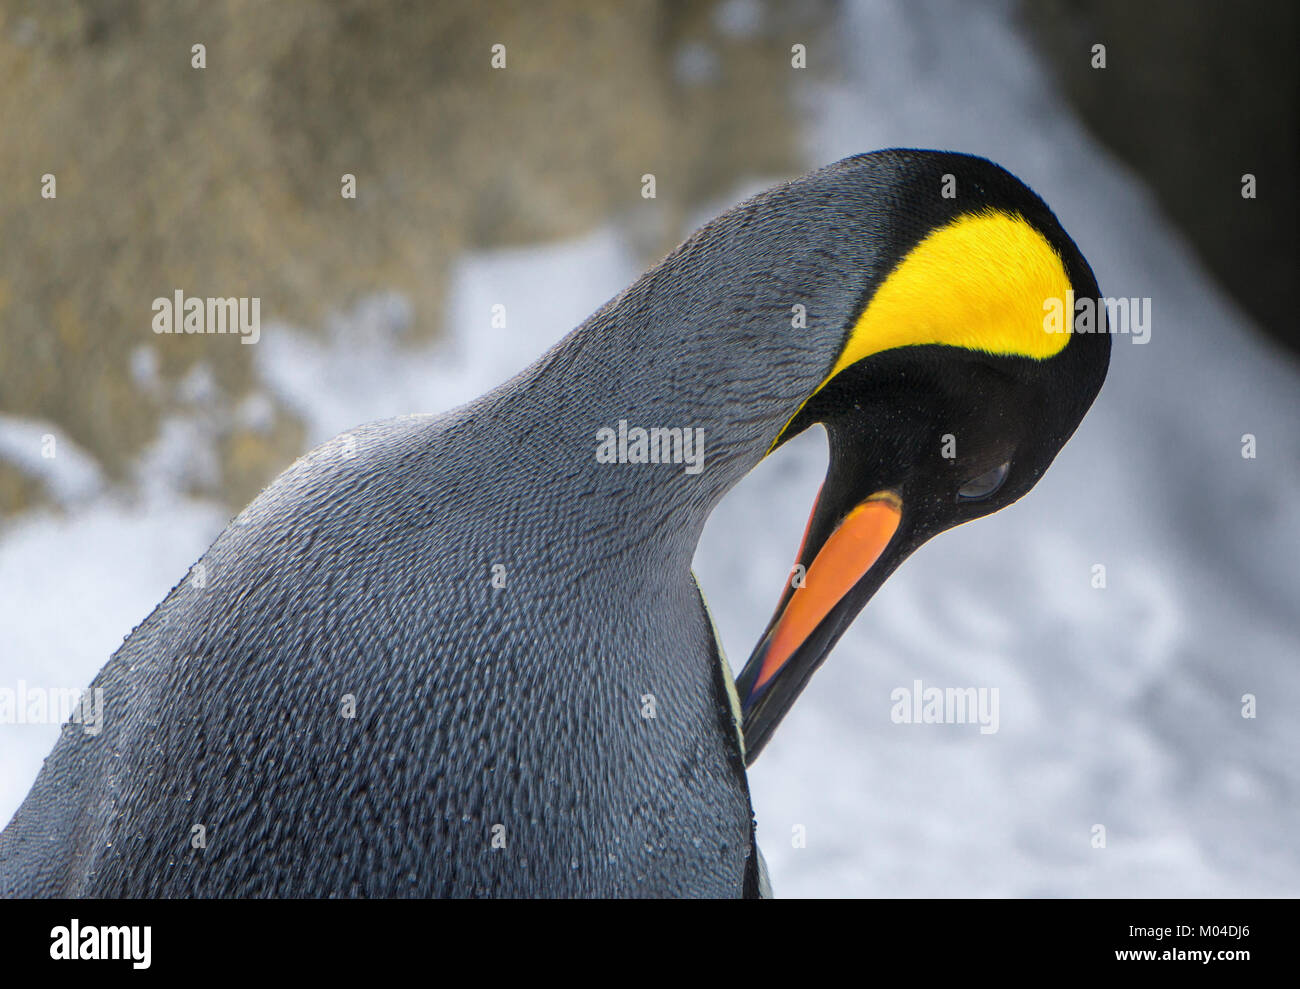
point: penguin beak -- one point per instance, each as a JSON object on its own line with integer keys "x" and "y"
{"x": 835, "y": 577}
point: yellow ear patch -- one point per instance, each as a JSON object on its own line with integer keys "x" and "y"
{"x": 979, "y": 283}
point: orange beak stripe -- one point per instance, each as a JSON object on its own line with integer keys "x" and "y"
{"x": 852, "y": 550}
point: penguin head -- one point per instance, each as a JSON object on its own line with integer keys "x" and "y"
{"x": 961, "y": 374}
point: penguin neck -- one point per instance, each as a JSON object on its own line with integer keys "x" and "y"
{"x": 665, "y": 398}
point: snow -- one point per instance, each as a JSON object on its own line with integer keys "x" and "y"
{"x": 44, "y": 453}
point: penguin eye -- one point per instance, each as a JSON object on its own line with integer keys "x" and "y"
{"x": 981, "y": 487}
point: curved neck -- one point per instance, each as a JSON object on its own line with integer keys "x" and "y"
{"x": 664, "y": 399}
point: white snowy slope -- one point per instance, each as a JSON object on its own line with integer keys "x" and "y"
{"x": 1119, "y": 707}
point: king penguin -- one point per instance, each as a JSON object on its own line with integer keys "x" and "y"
{"x": 465, "y": 655}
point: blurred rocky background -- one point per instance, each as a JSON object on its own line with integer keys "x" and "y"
{"x": 225, "y": 181}
{"x": 1196, "y": 94}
